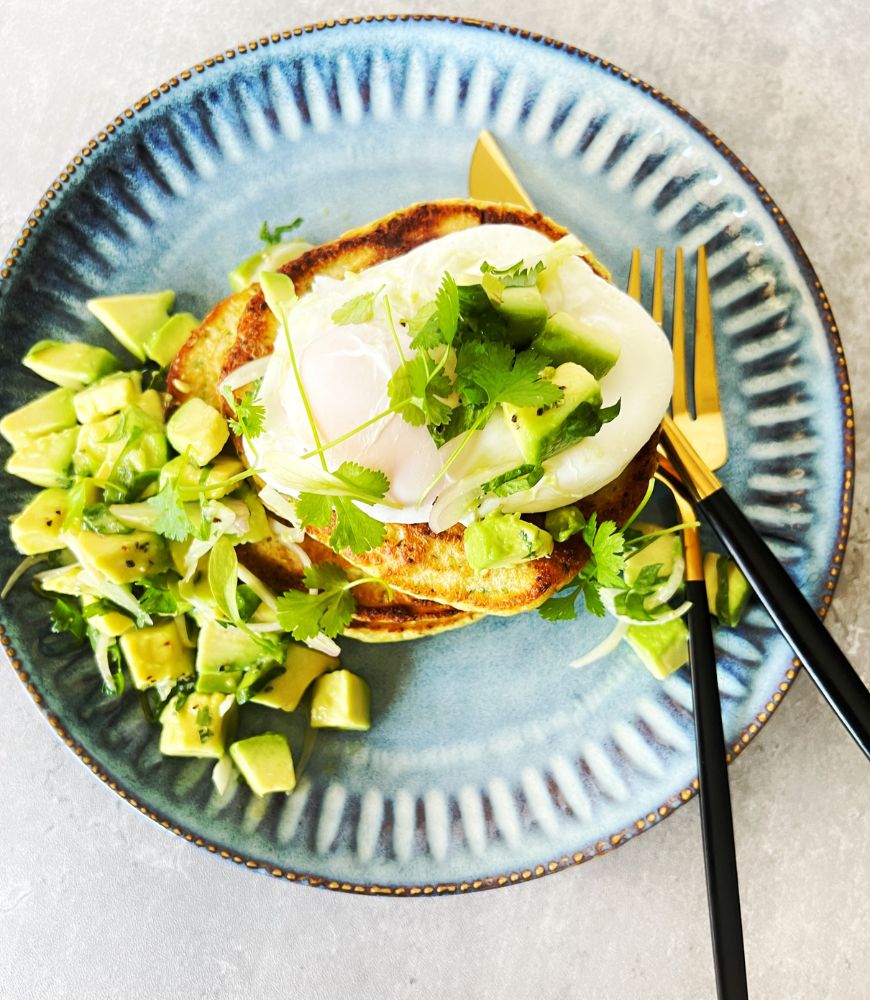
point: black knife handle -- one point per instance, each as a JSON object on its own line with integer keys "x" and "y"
{"x": 720, "y": 861}
{"x": 796, "y": 619}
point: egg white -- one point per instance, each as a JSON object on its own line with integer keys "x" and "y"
{"x": 345, "y": 370}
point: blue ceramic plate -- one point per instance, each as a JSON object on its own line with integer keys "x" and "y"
{"x": 490, "y": 760}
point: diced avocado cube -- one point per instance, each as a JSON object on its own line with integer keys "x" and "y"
{"x": 199, "y": 727}
{"x": 341, "y": 700}
{"x": 663, "y": 648}
{"x": 132, "y": 319}
{"x": 96, "y": 453}
{"x": 70, "y": 364}
{"x": 188, "y": 474}
{"x": 564, "y": 522}
{"x": 151, "y": 402}
{"x": 728, "y": 590}
{"x": 138, "y": 465}
{"x": 45, "y": 460}
{"x": 272, "y": 258}
{"x": 52, "y": 412}
{"x": 119, "y": 558}
{"x": 662, "y": 551}
{"x": 504, "y": 540}
{"x": 566, "y": 338}
{"x": 542, "y": 432}
{"x": 37, "y": 528}
{"x": 109, "y": 395}
{"x": 111, "y": 623}
{"x": 223, "y": 655}
{"x": 524, "y": 309}
{"x": 155, "y": 654}
{"x": 302, "y": 666}
{"x": 224, "y": 467}
{"x": 83, "y": 493}
{"x": 265, "y": 762}
{"x": 198, "y": 427}
{"x": 139, "y": 516}
{"x": 256, "y": 678}
{"x": 166, "y": 342}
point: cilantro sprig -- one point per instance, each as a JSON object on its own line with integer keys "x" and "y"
{"x": 603, "y": 569}
{"x": 352, "y": 528}
{"x": 248, "y": 413}
{"x": 173, "y": 521}
{"x": 328, "y": 611}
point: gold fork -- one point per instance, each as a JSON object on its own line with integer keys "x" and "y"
{"x": 698, "y": 445}
{"x": 723, "y": 893}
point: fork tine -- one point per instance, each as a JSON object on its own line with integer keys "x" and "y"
{"x": 658, "y": 307}
{"x": 706, "y": 383}
{"x": 633, "y": 287}
{"x": 680, "y": 404}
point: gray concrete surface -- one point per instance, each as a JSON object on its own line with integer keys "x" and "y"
{"x": 96, "y": 902}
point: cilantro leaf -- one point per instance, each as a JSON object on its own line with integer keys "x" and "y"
{"x": 314, "y": 509}
{"x": 604, "y": 568}
{"x": 515, "y": 276}
{"x": 370, "y": 481}
{"x": 353, "y": 528}
{"x": 521, "y": 478}
{"x": 424, "y": 329}
{"x": 329, "y": 611}
{"x": 493, "y": 373}
{"x": 158, "y": 600}
{"x": 272, "y": 236}
{"x": 417, "y": 395}
{"x": 324, "y": 576}
{"x": 462, "y": 419}
{"x": 248, "y": 414}
{"x": 561, "y": 607}
{"x": 359, "y": 309}
{"x": 447, "y": 305}
{"x": 172, "y": 521}
{"x": 66, "y": 617}
{"x": 592, "y": 598}
{"x": 606, "y": 543}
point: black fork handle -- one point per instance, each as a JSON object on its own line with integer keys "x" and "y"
{"x": 717, "y": 826}
{"x": 796, "y": 619}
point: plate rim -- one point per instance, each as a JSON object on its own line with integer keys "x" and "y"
{"x": 835, "y": 559}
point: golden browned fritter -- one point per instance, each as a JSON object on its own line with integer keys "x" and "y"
{"x": 412, "y": 558}
{"x": 381, "y": 615}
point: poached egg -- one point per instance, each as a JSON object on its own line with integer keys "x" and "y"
{"x": 345, "y": 370}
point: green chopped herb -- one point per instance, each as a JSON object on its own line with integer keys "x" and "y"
{"x": 359, "y": 309}
{"x": 272, "y": 236}
{"x": 66, "y": 617}
{"x": 522, "y": 478}
{"x": 353, "y": 528}
{"x": 249, "y": 415}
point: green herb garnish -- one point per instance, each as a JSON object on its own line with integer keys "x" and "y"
{"x": 272, "y": 236}
{"x": 353, "y": 529}
{"x": 248, "y": 414}
{"x": 66, "y": 617}
{"x": 327, "y": 612}
{"x": 603, "y": 569}
{"x": 360, "y": 309}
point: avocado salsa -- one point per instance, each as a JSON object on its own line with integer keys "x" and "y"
{"x": 138, "y": 518}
